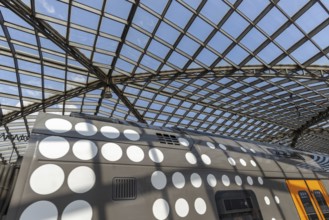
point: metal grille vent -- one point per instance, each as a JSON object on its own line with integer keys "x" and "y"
{"x": 167, "y": 139}
{"x": 124, "y": 188}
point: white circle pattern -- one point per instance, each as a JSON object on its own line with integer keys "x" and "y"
{"x": 81, "y": 179}
{"x": 85, "y": 129}
{"x": 191, "y": 159}
{"x": 131, "y": 135}
{"x": 78, "y": 210}
{"x": 211, "y": 179}
{"x": 156, "y": 155}
{"x": 231, "y": 161}
{"x": 160, "y": 209}
{"x": 158, "y": 180}
{"x": 243, "y": 149}
{"x": 205, "y": 159}
{"x": 135, "y": 153}
{"x": 183, "y": 142}
{"x": 178, "y": 180}
{"x": 260, "y": 180}
{"x": 84, "y": 149}
{"x": 222, "y": 146}
{"x": 267, "y": 200}
{"x": 238, "y": 180}
{"x": 54, "y": 147}
{"x": 211, "y": 145}
{"x": 196, "y": 180}
{"x": 277, "y": 200}
{"x": 47, "y": 179}
{"x": 225, "y": 180}
{"x": 200, "y": 206}
{"x": 110, "y": 132}
{"x": 243, "y": 162}
{"x": 39, "y": 211}
{"x": 58, "y": 125}
{"x": 253, "y": 163}
{"x": 111, "y": 152}
{"x": 250, "y": 181}
{"x": 181, "y": 207}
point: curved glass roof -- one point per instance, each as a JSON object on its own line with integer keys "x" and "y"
{"x": 252, "y": 69}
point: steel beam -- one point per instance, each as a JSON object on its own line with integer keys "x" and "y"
{"x": 124, "y": 99}
{"x": 50, "y": 101}
{"x": 320, "y": 73}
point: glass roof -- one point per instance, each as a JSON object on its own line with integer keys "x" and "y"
{"x": 251, "y": 69}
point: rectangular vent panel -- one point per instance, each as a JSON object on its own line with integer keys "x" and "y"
{"x": 167, "y": 139}
{"x": 124, "y": 188}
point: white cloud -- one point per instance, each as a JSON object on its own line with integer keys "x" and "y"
{"x": 50, "y": 9}
{"x": 79, "y": 78}
{"x": 25, "y": 103}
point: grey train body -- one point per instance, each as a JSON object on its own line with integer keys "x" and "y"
{"x": 81, "y": 168}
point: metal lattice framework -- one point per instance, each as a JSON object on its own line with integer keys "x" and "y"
{"x": 255, "y": 70}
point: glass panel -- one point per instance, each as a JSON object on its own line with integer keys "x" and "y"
{"x": 82, "y": 37}
{"x": 156, "y": 6}
{"x": 200, "y": 29}
{"x": 177, "y": 9}
{"x": 253, "y": 39}
{"x": 79, "y": 16}
{"x": 106, "y": 44}
{"x": 305, "y": 52}
{"x": 235, "y": 25}
{"x": 167, "y": 33}
{"x": 188, "y": 45}
{"x": 220, "y": 42}
{"x": 292, "y": 6}
{"x": 137, "y": 38}
{"x": 270, "y": 25}
{"x": 158, "y": 49}
{"x": 252, "y": 8}
{"x": 237, "y": 54}
{"x": 52, "y": 8}
{"x": 145, "y": 20}
{"x": 214, "y": 10}
{"x": 118, "y": 8}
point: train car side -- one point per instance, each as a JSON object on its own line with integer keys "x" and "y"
{"x": 79, "y": 168}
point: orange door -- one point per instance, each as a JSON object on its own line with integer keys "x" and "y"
{"x": 310, "y": 198}
{"x": 320, "y": 196}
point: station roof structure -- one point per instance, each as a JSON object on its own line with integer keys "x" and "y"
{"x": 252, "y": 69}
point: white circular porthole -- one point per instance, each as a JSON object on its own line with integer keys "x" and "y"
{"x": 78, "y": 209}
{"x": 40, "y": 210}
{"x": 160, "y": 209}
{"x": 181, "y": 207}
{"x": 267, "y": 200}
{"x": 211, "y": 145}
{"x": 225, "y": 180}
{"x": 183, "y": 142}
{"x": 158, "y": 180}
{"x": 205, "y": 159}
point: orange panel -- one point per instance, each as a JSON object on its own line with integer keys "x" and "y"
{"x": 294, "y": 187}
